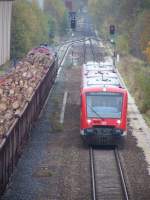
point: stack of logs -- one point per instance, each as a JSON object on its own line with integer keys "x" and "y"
{"x": 18, "y": 87}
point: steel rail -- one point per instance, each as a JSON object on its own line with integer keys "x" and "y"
{"x": 85, "y": 47}
{"x": 64, "y": 55}
{"x": 123, "y": 182}
{"x": 69, "y": 45}
{"x": 94, "y": 52}
{"x": 71, "y": 42}
{"x": 93, "y": 183}
{"x": 59, "y": 65}
{"x": 120, "y": 170}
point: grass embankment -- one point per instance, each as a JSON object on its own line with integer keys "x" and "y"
{"x": 137, "y": 78}
{"x": 55, "y": 116}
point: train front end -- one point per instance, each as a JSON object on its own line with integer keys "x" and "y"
{"x": 103, "y": 115}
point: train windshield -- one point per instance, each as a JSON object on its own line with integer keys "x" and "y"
{"x": 104, "y": 105}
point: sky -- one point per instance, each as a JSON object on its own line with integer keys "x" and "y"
{"x": 40, "y": 3}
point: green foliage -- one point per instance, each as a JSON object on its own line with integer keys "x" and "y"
{"x": 104, "y": 14}
{"x": 132, "y": 19}
{"x": 29, "y": 28}
{"x": 144, "y": 83}
{"x": 137, "y": 78}
{"x": 123, "y": 44}
{"x": 57, "y": 10}
{"x": 51, "y": 28}
{"x": 145, "y": 4}
{"x": 147, "y": 52}
{"x": 63, "y": 24}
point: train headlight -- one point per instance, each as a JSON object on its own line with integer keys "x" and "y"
{"x": 89, "y": 121}
{"x": 118, "y": 121}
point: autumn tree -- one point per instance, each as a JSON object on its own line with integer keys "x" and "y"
{"x": 147, "y": 52}
{"x": 131, "y": 18}
{"x": 56, "y": 9}
{"x": 29, "y": 27}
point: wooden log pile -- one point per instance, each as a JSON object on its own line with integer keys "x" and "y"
{"x": 17, "y": 88}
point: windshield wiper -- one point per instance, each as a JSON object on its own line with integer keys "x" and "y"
{"x": 95, "y": 111}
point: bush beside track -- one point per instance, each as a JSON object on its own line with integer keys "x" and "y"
{"x": 137, "y": 78}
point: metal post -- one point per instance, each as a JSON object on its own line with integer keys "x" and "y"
{"x": 112, "y": 40}
{"x": 114, "y": 56}
{"x": 72, "y": 55}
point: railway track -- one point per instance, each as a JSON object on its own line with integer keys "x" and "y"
{"x": 107, "y": 178}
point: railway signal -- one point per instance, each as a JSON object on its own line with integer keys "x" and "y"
{"x": 72, "y": 20}
{"x": 112, "y": 29}
{"x": 73, "y": 24}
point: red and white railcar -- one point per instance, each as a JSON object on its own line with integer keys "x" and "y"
{"x": 103, "y": 104}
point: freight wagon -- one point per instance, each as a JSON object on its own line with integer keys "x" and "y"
{"x": 12, "y": 141}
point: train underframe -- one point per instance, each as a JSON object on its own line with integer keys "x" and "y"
{"x": 101, "y": 135}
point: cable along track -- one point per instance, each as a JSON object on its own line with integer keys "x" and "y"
{"x": 107, "y": 176}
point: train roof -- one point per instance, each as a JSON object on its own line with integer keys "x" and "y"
{"x": 100, "y": 75}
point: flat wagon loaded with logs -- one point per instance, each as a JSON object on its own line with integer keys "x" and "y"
{"x": 22, "y": 96}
